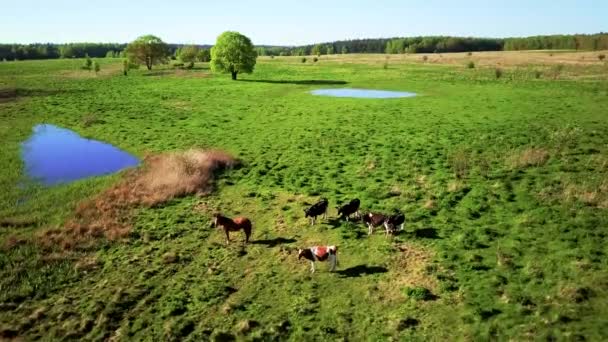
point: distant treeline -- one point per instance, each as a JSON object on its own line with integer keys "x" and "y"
{"x": 72, "y": 50}
{"x": 380, "y": 45}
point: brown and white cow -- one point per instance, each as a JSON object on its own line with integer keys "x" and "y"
{"x": 320, "y": 253}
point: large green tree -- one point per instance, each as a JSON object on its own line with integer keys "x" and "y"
{"x": 149, "y": 50}
{"x": 233, "y": 53}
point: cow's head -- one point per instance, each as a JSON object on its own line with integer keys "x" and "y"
{"x": 214, "y": 220}
{"x": 300, "y": 253}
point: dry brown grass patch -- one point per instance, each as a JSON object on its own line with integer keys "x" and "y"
{"x": 593, "y": 194}
{"x": 161, "y": 178}
{"x": 409, "y": 269}
{"x": 528, "y": 157}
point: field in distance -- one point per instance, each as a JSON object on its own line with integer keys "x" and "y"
{"x": 502, "y": 177}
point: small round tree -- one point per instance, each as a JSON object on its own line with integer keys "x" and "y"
{"x": 233, "y": 53}
{"x": 188, "y": 54}
{"x": 149, "y": 50}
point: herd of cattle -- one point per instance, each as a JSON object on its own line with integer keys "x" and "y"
{"x": 392, "y": 223}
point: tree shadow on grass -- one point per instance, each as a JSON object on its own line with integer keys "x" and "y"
{"x": 360, "y": 270}
{"x": 273, "y": 242}
{"x": 299, "y": 82}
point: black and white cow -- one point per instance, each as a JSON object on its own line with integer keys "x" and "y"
{"x": 320, "y": 253}
{"x": 317, "y": 209}
{"x": 392, "y": 222}
{"x": 349, "y": 208}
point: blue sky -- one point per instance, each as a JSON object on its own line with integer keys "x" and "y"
{"x": 291, "y": 22}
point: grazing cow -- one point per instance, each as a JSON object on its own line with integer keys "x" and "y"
{"x": 320, "y": 253}
{"x": 374, "y": 220}
{"x": 317, "y": 209}
{"x": 348, "y": 209}
{"x": 232, "y": 225}
{"x": 391, "y": 222}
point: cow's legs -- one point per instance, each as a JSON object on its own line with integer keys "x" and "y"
{"x": 312, "y": 267}
{"x": 332, "y": 263}
{"x": 401, "y": 228}
{"x": 227, "y": 235}
{"x": 370, "y": 229}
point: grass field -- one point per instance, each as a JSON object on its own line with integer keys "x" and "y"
{"x": 504, "y": 183}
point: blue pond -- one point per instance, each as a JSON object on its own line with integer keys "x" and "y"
{"x": 57, "y": 155}
{"x": 362, "y": 93}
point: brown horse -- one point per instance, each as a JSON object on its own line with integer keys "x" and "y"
{"x": 233, "y": 225}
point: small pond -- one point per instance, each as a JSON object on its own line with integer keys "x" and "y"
{"x": 57, "y": 155}
{"x": 362, "y": 93}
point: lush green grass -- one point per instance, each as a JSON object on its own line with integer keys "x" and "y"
{"x": 503, "y": 182}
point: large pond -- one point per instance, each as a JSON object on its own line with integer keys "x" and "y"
{"x": 362, "y": 93}
{"x": 57, "y": 155}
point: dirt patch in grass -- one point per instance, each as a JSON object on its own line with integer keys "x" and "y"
{"x": 409, "y": 267}
{"x": 160, "y": 178}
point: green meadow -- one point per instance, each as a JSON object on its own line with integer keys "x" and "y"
{"x": 503, "y": 181}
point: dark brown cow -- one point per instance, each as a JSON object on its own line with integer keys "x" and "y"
{"x": 374, "y": 220}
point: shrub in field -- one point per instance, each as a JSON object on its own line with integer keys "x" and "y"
{"x": 498, "y": 73}
{"x": 178, "y": 65}
{"x": 315, "y": 59}
{"x": 96, "y": 67}
{"x": 425, "y": 58}
{"x": 385, "y": 65}
{"x": 557, "y": 70}
{"x": 125, "y": 67}
{"x": 188, "y": 55}
{"x": 537, "y": 74}
{"x": 149, "y": 50}
{"x": 233, "y": 53}
{"x": 469, "y": 53}
{"x": 471, "y": 65}
{"x": 87, "y": 63}
{"x": 601, "y": 57}
{"x": 303, "y": 59}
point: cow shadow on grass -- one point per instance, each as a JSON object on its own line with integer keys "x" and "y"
{"x": 300, "y": 82}
{"x": 426, "y": 233}
{"x": 273, "y": 242}
{"x": 361, "y": 270}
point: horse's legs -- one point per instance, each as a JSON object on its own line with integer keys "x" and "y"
{"x": 247, "y": 234}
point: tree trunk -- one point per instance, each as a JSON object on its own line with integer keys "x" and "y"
{"x": 234, "y": 75}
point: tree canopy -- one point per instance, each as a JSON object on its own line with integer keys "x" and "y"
{"x": 188, "y": 54}
{"x": 233, "y": 53}
{"x": 149, "y": 50}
